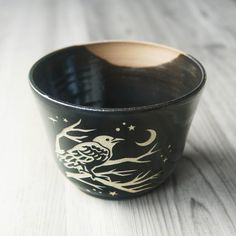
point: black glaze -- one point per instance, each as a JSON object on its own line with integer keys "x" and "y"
{"x": 79, "y": 77}
{"x": 76, "y": 76}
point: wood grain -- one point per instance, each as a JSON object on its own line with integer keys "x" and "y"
{"x": 198, "y": 199}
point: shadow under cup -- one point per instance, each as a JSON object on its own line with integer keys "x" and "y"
{"x": 117, "y": 112}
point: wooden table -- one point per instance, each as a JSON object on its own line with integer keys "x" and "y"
{"x": 198, "y": 199}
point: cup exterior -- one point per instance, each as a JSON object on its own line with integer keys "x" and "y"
{"x": 117, "y": 155}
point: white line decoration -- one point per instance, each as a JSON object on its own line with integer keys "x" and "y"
{"x": 113, "y": 193}
{"x": 131, "y": 127}
{"x": 87, "y": 155}
{"x": 65, "y": 120}
{"x": 52, "y": 119}
{"x": 152, "y": 138}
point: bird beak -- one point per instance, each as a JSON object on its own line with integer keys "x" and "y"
{"x": 117, "y": 140}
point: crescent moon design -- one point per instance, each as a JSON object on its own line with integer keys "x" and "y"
{"x": 152, "y": 137}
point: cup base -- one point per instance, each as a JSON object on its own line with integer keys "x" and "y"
{"x": 127, "y": 197}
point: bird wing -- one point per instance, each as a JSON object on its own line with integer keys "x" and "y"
{"x": 89, "y": 151}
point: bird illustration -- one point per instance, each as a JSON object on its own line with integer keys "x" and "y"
{"x": 86, "y": 156}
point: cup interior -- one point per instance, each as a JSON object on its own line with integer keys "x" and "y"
{"x": 116, "y": 75}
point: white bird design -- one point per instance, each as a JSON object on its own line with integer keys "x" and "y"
{"x": 86, "y": 156}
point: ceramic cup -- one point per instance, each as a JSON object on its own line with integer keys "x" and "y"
{"x": 117, "y": 112}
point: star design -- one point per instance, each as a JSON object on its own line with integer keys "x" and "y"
{"x": 52, "y": 119}
{"x": 165, "y": 159}
{"x": 131, "y": 127}
{"x": 113, "y": 193}
{"x": 65, "y": 120}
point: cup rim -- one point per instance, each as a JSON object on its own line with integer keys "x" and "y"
{"x": 125, "y": 109}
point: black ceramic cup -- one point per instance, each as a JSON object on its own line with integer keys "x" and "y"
{"x": 117, "y": 112}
